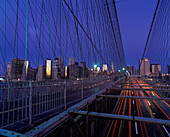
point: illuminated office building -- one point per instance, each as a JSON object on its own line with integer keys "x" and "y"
{"x": 71, "y": 61}
{"x": 48, "y": 68}
{"x": 66, "y": 71}
{"x": 155, "y": 69}
{"x": 105, "y": 67}
{"x": 14, "y": 69}
{"x": 144, "y": 66}
{"x": 98, "y": 69}
{"x": 55, "y": 69}
{"x": 25, "y": 68}
{"x": 112, "y": 68}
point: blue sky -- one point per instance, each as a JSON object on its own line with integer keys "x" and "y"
{"x": 135, "y": 17}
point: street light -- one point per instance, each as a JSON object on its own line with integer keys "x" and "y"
{"x": 95, "y": 66}
{"x": 123, "y": 68}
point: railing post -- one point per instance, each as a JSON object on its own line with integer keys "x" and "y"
{"x": 65, "y": 94}
{"x": 82, "y": 91}
{"x": 30, "y": 103}
{"x": 8, "y": 97}
{"x": 87, "y": 121}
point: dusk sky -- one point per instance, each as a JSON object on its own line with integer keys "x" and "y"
{"x": 135, "y": 17}
{"x": 85, "y": 68}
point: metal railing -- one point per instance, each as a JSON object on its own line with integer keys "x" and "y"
{"x": 24, "y": 100}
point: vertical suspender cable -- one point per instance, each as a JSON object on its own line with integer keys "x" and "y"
{"x": 5, "y": 35}
{"x": 150, "y": 29}
{"x": 26, "y": 45}
{"x": 60, "y": 55}
{"x": 114, "y": 34}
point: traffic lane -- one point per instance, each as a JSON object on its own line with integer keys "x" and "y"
{"x": 136, "y": 130}
{"x": 135, "y": 127}
{"x": 112, "y": 128}
{"x": 127, "y": 127}
{"x": 165, "y": 107}
{"x": 147, "y": 112}
{"x": 160, "y": 104}
{"x": 118, "y": 128}
{"x": 139, "y": 129}
{"x": 165, "y": 102}
{"x": 157, "y": 129}
{"x": 159, "y": 113}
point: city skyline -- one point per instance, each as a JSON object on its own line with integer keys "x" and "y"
{"x": 43, "y": 47}
{"x": 88, "y": 68}
{"x": 86, "y": 41}
{"x": 53, "y": 70}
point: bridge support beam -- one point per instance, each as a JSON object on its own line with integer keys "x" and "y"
{"x": 124, "y": 117}
{"x": 8, "y": 133}
{"x": 65, "y": 101}
{"x": 141, "y": 89}
{"x": 133, "y": 97}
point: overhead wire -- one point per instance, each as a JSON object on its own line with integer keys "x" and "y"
{"x": 93, "y": 42}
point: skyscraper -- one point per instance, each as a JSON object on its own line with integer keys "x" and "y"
{"x": 144, "y": 66}
{"x": 40, "y": 76}
{"x": 25, "y": 72}
{"x": 130, "y": 69}
{"x": 136, "y": 72}
{"x": 71, "y": 61}
{"x": 98, "y": 70}
{"x": 104, "y": 67}
{"x": 155, "y": 69}
{"x": 61, "y": 67}
{"x": 55, "y": 69}
{"x": 66, "y": 72}
{"x": 112, "y": 68}
{"x": 9, "y": 70}
{"x": 48, "y": 68}
{"x": 83, "y": 70}
{"x": 74, "y": 70}
{"x": 14, "y": 69}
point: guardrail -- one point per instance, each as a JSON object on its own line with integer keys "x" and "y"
{"x": 21, "y": 101}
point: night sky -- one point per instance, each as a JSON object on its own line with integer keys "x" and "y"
{"x": 135, "y": 17}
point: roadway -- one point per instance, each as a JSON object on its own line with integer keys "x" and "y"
{"x": 91, "y": 116}
{"x": 142, "y": 108}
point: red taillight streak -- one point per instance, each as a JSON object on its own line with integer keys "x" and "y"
{"x": 129, "y": 114}
{"x": 139, "y": 114}
{"x": 114, "y": 128}
{"x": 158, "y": 106}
